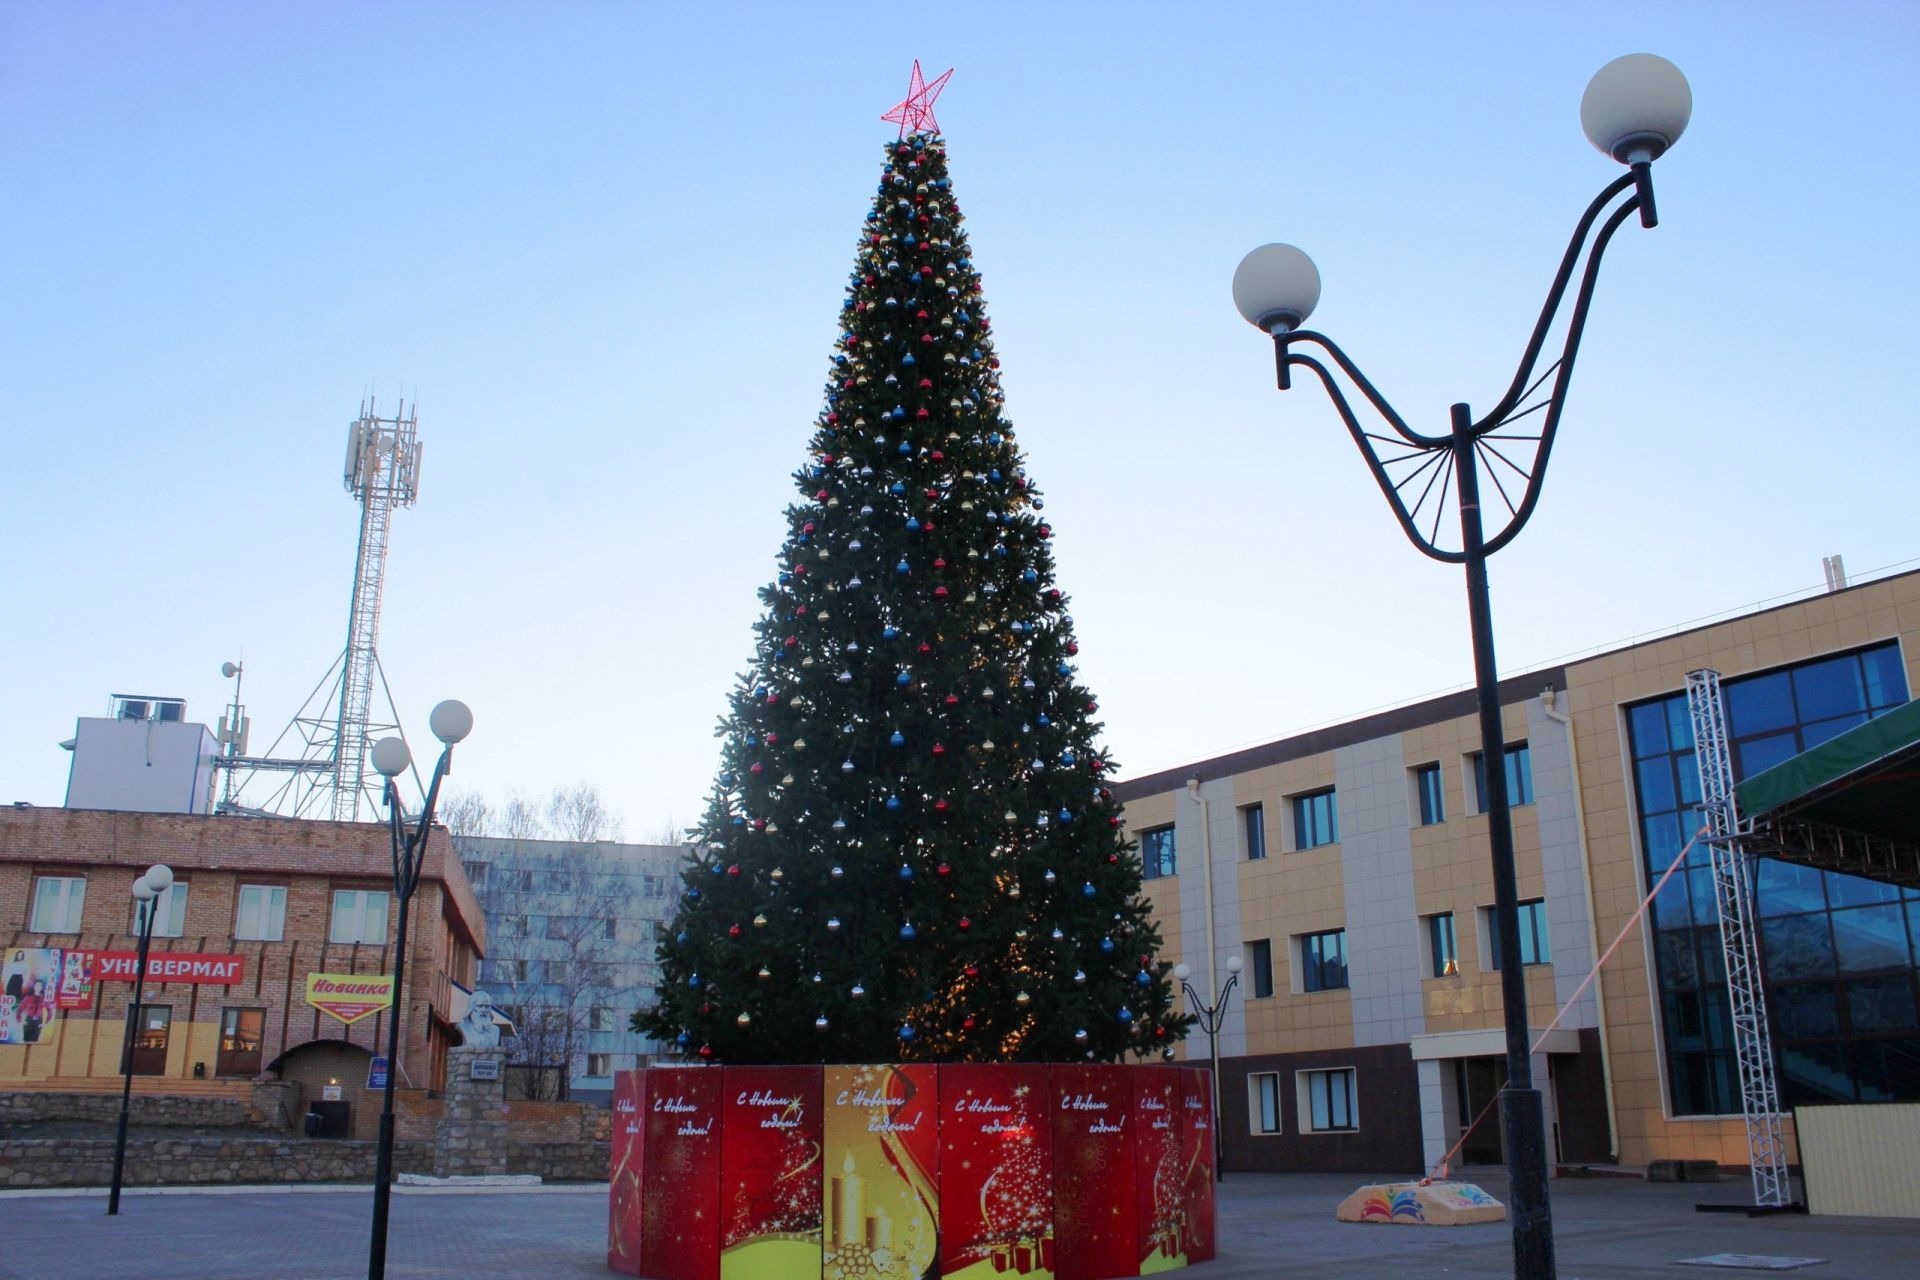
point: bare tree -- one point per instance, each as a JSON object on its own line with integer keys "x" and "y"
{"x": 520, "y": 819}
{"x": 578, "y": 813}
{"x": 467, "y": 813}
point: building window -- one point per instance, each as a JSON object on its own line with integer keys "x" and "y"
{"x": 1263, "y": 1101}
{"x": 653, "y": 886}
{"x": 1443, "y": 957}
{"x": 359, "y": 915}
{"x": 169, "y": 912}
{"x": 1323, "y": 961}
{"x": 240, "y": 1034}
{"x": 476, "y": 873}
{"x": 600, "y": 1019}
{"x": 1260, "y": 962}
{"x": 1316, "y": 820}
{"x": 599, "y": 1064}
{"x": 1533, "y": 933}
{"x": 1842, "y": 1033}
{"x": 1253, "y": 820}
{"x": 1156, "y": 853}
{"x": 1427, "y": 787}
{"x": 57, "y": 901}
{"x": 513, "y": 926}
{"x": 609, "y": 929}
{"x": 1519, "y": 759}
{"x": 262, "y": 913}
{"x": 559, "y": 927}
{"x": 1327, "y": 1101}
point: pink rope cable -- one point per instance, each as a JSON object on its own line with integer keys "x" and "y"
{"x": 1445, "y": 1162}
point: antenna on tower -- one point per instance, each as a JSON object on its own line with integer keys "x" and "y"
{"x": 335, "y": 728}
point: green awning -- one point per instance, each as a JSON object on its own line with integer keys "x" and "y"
{"x": 1867, "y": 780}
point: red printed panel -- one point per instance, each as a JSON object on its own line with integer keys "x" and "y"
{"x": 1160, "y": 1172}
{"x": 770, "y": 1174}
{"x": 996, "y": 1171}
{"x": 680, "y": 1179}
{"x": 629, "y": 1146}
{"x": 1196, "y": 1113}
{"x": 881, "y": 1149}
{"x": 1096, "y": 1213}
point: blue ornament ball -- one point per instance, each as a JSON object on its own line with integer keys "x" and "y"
{"x": 893, "y": 802}
{"x": 1125, "y": 1014}
{"x": 1106, "y": 945}
{"x": 1087, "y": 890}
{"x": 907, "y": 932}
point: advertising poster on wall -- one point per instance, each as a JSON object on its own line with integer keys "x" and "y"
{"x": 347, "y": 996}
{"x": 882, "y": 1153}
{"x": 770, "y": 1174}
{"x": 30, "y": 995}
{"x": 1095, "y": 1213}
{"x": 996, "y": 1171}
{"x": 680, "y": 1183}
{"x": 77, "y": 966}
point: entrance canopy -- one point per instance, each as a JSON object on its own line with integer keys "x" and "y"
{"x": 1850, "y": 804}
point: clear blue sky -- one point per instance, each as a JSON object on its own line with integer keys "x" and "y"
{"x": 604, "y": 246}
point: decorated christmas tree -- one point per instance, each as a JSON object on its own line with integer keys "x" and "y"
{"x": 910, "y": 851}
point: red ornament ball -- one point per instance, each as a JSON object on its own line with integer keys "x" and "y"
{"x": 734, "y": 869}
{"x": 967, "y": 1023}
{"x": 943, "y": 870}
{"x": 706, "y": 1051}
{"x": 733, "y": 931}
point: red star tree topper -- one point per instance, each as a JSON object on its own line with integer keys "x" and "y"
{"x": 915, "y": 115}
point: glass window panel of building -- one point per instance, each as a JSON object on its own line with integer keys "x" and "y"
{"x": 1838, "y": 953}
{"x": 1427, "y": 783}
{"x": 1443, "y": 957}
{"x": 1254, "y": 819}
{"x": 1534, "y": 948}
{"x": 1316, "y": 820}
{"x": 1156, "y": 853}
{"x": 1260, "y": 967}
{"x": 1323, "y": 961}
{"x": 1519, "y": 770}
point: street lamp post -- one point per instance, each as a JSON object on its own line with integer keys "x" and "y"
{"x": 146, "y": 896}
{"x": 450, "y": 722}
{"x": 1634, "y": 109}
{"x": 1211, "y": 1016}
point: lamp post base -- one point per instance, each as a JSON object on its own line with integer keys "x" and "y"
{"x": 1522, "y": 1123}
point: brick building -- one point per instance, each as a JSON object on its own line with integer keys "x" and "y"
{"x": 259, "y": 905}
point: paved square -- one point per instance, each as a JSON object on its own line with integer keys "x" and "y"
{"x": 1271, "y": 1225}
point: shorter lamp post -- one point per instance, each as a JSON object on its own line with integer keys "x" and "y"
{"x": 1211, "y": 1016}
{"x": 450, "y": 722}
{"x": 146, "y": 896}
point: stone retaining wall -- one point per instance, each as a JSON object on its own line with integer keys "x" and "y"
{"x": 147, "y": 1111}
{"x": 50, "y": 1162}
{"x": 63, "y": 1162}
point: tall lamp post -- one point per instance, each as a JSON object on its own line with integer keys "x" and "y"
{"x": 450, "y": 722}
{"x": 146, "y": 894}
{"x": 1634, "y": 109}
{"x": 1211, "y": 1016}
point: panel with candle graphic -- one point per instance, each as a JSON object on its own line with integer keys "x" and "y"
{"x": 1095, "y": 1213}
{"x": 1160, "y": 1171}
{"x": 680, "y": 1179}
{"x": 770, "y": 1174}
{"x": 624, "y": 1173}
{"x": 996, "y": 1171}
{"x": 881, "y": 1149}
{"x": 1196, "y": 1107}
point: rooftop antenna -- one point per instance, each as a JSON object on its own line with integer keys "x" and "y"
{"x": 335, "y": 728}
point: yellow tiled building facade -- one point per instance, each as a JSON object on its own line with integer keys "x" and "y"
{"x": 1348, "y": 869}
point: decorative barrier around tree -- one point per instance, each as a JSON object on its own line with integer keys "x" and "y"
{"x": 905, "y": 1171}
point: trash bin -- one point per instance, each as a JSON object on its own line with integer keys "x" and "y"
{"x": 314, "y": 1120}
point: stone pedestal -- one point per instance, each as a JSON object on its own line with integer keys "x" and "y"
{"x": 472, "y": 1138}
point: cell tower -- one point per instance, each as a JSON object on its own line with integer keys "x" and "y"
{"x": 335, "y": 728}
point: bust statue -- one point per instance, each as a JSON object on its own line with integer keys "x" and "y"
{"x": 478, "y": 1028}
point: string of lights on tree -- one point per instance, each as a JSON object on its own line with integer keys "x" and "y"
{"x": 911, "y": 850}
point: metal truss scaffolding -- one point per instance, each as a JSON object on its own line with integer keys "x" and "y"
{"x": 1740, "y": 942}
